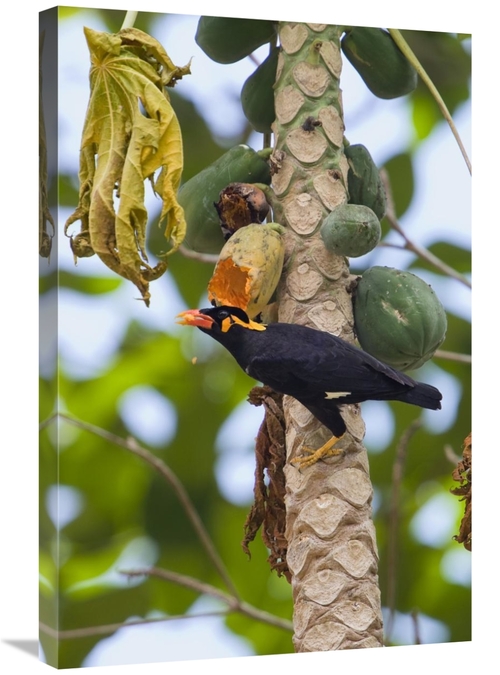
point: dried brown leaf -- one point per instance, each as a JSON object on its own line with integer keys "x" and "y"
{"x": 44, "y": 215}
{"x": 268, "y": 511}
{"x": 463, "y": 475}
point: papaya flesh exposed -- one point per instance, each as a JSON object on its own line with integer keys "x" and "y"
{"x": 377, "y": 58}
{"x": 351, "y": 230}
{"x": 398, "y": 317}
{"x": 240, "y": 164}
{"x": 363, "y": 179}
{"x": 227, "y": 40}
{"x": 257, "y": 94}
{"x": 249, "y": 268}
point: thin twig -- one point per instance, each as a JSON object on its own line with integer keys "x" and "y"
{"x": 131, "y": 445}
{"x": 211, "y": 258}
{"x": 129, "y": 20}
{"x": 450, "y": 454}
{"x": 183, "y": 580}
{"x": 109, "y": 628}
{"x": 397, "y": 477}
{"x": 234, "y": 603}
{"x": 410, "y": 245}
{"x": 410, "y": 55}
{"x": 232, "y": 600}
{"x": 45, "y": 423}
{"x": 416, "y": 626}
{"x": 452, "y": 356}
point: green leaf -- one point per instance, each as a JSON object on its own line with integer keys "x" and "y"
{"x": 78, "y": 282}
{"x": 447, "y": 61}
{"x": 200, "y": 148}
{"x": 400, "y": 170}
{"x": 425, "y": 115}
{"x": 67, "y": 12}
{"x": 455, "y": 256}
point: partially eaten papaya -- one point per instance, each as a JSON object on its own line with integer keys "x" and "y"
{"x": 249, "y": 268}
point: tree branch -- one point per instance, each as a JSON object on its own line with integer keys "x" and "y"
{"x": 129, "y": 20}
{"x": 328, "y": 505}
{"x": 211, "y": 258}
{"x": 410, "y": 55}
{"x": 232, "y": 600}
{"x": 410, "y": 245}
{"x": 109, "y": 628}
{"x": 415, "y": 621}
{"x": 452, "y": 356}
{"x": 234, "y": 604}
{"x": 131, "y": 445}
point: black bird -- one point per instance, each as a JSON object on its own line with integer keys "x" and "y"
{"x": 320, "y": 370}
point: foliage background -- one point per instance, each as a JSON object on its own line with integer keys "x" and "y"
{"x": 120, "y": 506}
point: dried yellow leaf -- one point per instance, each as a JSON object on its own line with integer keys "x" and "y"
{"x": 131, "y": 134}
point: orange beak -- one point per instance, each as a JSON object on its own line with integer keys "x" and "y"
{"x": 193, "y": 317}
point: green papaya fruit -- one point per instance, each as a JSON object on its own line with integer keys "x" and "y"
{"x": 385, "y": 70}
{"x": 351, "y": 230}
{"x": 363, "y": 180}
{"x": 200, "y": 193}
{"x": 257, "y": 94}
{"x": 398, "y": 317}
{"x": 227, "y": 40}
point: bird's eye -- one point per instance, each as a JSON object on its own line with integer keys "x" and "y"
{"x": 223, "y": 314}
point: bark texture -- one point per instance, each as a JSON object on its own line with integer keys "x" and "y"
{"x": 332, "y": 551}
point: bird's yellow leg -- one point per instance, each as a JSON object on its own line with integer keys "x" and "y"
{"x": 326, "y": 450}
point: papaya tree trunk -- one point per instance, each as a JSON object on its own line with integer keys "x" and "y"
{"x": 332, "y": 552}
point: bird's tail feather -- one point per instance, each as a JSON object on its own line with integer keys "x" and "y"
{"x": 423, "y": 395}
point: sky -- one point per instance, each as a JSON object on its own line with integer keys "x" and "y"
{"x": 458, "y": 189}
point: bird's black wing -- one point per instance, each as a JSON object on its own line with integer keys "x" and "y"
{"x": 306, "y": 362}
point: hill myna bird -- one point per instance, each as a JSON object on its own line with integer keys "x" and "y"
{"x": 320, "y": 370}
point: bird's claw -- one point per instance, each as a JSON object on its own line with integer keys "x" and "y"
{"x": 313, "y": 456}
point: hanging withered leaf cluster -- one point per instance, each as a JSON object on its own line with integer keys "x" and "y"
{"x": 44, "y": 216}
{"x": 131, "y": 134}
{"x": 463, "y": 475}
